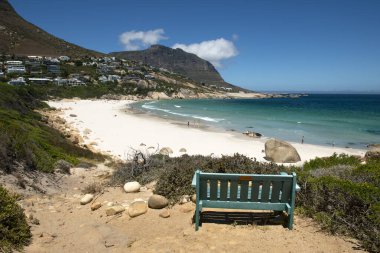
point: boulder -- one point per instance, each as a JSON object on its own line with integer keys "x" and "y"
{"x": 137, "y": 208}
{"x": 194, "y": 198}
{"x": 166, "y": 151}
{"x": 280, "y": 152}
{"x": 165, "y": 214}
{"x": 114, "y": 210}
{"x": 373, "y": 152}
{"x": 73, "y": 115}
{"x": 132, "y": 187}
{"x": 183, "y": 150}
{"x": 157, "y": 201}
{"x": 184, "y": 199}
{"x": 86, "y": 199}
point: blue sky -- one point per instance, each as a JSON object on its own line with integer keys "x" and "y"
{"x": 295, "y": 45}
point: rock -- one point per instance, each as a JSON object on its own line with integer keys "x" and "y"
{"x": 114, "y": 210}
{"x": 86, "y": 199}
{"x": 280, "y": 152}
{"x": 165, "y": 214}
{"x": 132, "y": 187}
{"x": 183, "y": 150}
{"x": 75, "y": 141}
{"x": 73, "y": 115}
{"x": 184, "y": 199}
{"x": 137, "y": 208}
{"x": 95, "y": 206}
{"x": 252, "y": 134}
{"x": 373, "y": 152}
{"x": 166, "y": 151}
{"x": 194, "y": 198}
{"x": 61, "y": 166}
{"x": 157, "y": 201}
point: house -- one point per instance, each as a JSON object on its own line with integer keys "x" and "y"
{"x": 35, "y": 58}
{"x": 112, "y": 78}
{"x": 40, "y": 80}
{"x": 149, "y": 77}
{"x": 131, "y": 77}
{"x": 74, "y": 82}
{"x": 20, "y": 69}
{"x": 55, "y": 69}
{"x": 2, "y": 74}
{"x": 60, "y": 81}
{"x": 103, "y": 79}
{"x": 64, "y": 58}
{"x": 17, "y": 81}
{"x": 13, "y": 63}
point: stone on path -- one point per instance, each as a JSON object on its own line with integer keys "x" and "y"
{"x": 132, "y": 187}
{"x": 114, "y": 210}
{"x": 95, "y": 206}
{"x": 165, "y": 214}
{"x": 137, "y": 208}
{"x": 157, "y": 201}
{"x": 86, "y": 199}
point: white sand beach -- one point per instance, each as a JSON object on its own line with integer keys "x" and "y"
{"x": 116, "y": 131}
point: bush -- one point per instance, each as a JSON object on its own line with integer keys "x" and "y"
{"x": 344, "y": 199}
{"x": 14, "y": 230}
{"x": 327, "y": 162}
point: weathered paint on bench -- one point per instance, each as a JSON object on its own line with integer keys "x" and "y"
{"x": 245, "y": 191}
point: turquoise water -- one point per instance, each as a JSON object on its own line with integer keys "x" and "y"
{"x": 341, "y": 120}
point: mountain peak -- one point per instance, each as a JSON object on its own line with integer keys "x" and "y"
{"x": 19, "y": 37}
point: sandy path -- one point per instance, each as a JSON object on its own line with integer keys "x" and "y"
{"x": 67, "y": 226}
{"x": 116, "y": 131}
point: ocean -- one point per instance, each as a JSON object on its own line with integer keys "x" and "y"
{"x": 324, "y": 119}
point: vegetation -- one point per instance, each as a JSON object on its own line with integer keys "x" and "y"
{"x": 339, "y": 192}
{"x": 25, "y": 139}
{"x": 14, "y": 230}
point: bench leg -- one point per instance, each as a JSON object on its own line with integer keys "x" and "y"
{"x": 197, "y": 214}
{"x": 290, "y": 218}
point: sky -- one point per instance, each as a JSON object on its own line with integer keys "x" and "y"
{"x": 262, "y": 45}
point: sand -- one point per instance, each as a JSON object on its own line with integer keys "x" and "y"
{"x": 118, "y": 131}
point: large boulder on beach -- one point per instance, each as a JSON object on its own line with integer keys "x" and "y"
{"x": 373, "y": 152}
{"x": 132, "y": 187}
{"x": 157, "y": 202}
{"x": 280, "y": 152}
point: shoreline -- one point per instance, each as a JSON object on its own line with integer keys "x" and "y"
{"x": 110, "y": 127}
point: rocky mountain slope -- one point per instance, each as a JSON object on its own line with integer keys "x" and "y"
{"x": 19, "y": 37}
{"x": 178, "y": 61}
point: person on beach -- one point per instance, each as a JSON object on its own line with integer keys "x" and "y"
{"x": 302, "y": 140}
{"x": 188, "y": 124}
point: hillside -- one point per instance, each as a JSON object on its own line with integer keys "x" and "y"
{"x": 178, "y": 61}
{"x": 19, "y": 37}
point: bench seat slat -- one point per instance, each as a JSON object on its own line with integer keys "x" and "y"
{"x": 244, "y": 190}
{"x": 275, "y": 195}
{"x": 223, "y": 189}
{"x": 243, "y": 205}
{"x": 233, "y": 190}
{"x": 203, "y": 189}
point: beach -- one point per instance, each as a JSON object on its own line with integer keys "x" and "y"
{"x": 110, "y": 127}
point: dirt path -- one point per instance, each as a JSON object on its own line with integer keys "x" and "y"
{"x": 67, "y": 226}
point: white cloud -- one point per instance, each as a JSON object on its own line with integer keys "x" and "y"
{"x": 214, "y": 51}
{"x": 134, "y": 40}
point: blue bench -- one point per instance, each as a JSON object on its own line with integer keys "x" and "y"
{"x": 245, "y": 191}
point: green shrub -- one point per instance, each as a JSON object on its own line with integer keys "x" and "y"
{"x": 14, "y": 230}
{"x": 333, "y": 160}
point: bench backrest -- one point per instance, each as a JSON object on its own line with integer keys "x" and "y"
{"x": 245, "y": 187}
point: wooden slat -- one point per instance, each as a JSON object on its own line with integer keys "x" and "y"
{"x": 285, "y": 192}
{"x": 213, "y": 189}
{"x": 244, "y": 190}
{"x": 203, "y": 189}
{"x": 259, "y": 177}
{"x": 233, "y": 190}
{"x": 275, "y": 196}
{"x": 265, "y": 191}
{"x": 223, "y": 189}
{"x": 244, "y": 205}
{"x": 255, "y": 190}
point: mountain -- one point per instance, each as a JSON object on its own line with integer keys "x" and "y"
{"x": 178, "y": 61}
{"x": 19, "y": 37}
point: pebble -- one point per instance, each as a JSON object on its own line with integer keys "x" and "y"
{"x": 165, "y": 214}
{"x": 95, "y": 206}
{"x": 157, "y": 201}
{"x": 114, "y": 210}
{"x": 137, "y": 208}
